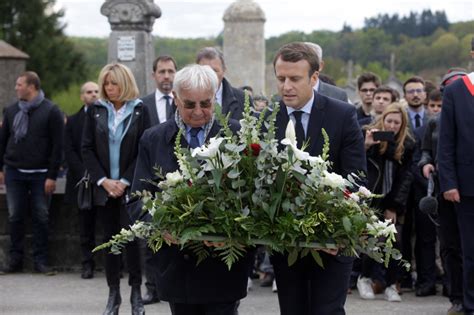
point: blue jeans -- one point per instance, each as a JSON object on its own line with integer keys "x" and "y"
{"x": 26, "y": 190}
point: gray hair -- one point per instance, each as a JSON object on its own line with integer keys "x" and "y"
{"x": 195, "y": 77}
{"x": 210, "y": 53}
{"x": 317, "y": 49}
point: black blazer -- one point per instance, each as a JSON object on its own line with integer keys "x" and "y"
{"x": 95, "y": 146}
{"x": 456, "y": 140}
{"x": 150, "y": 103}
{"x": 232, "y": 101}
{"x": 346, "y": 151}
{"x": 178, "y": 279}
{"x": 72, "y": 151}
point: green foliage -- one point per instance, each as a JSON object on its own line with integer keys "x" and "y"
{"x": 34, "y": 27}
{"x": 68, "y": 100}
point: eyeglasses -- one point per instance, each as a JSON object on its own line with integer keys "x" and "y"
{"x": 92, "y": 91}
{"x": 187, "y": 104}
{"x": 367, "y": 90}
{"x": 413, "y": 91}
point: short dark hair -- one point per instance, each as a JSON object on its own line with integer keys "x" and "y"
{"x": 31, "y": 78}
{"x": 414, "y": 79}
{"x": 296, "y": 51}
{"x": 386, "y": 89}
{"x": 164, "y": 58}
{"x": 368, "y": 77}
{"x": 210, "y": 53}
{"x": 246, "y": 87}
{"x": 435, "y": 95}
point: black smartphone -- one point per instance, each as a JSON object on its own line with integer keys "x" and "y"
{"x": 383, "y": 136}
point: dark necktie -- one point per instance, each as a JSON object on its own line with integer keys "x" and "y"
{"x": 169, "y": 111}
{"x": 417, "y": 121}
{"x": 194, "y": 142}
{"x": 299, "y": 130}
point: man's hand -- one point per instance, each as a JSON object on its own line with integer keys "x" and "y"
{"x": 391, "y": 215}
{"x": 428, "y": 169}
{"x": 49, "y": 186}
{"x": 114, "y": 188}
{"x": 2, "y": 178}
{"x": 170, "y": 239}
{"x": 214, "y": 244}
{"x": 452, "y": 195}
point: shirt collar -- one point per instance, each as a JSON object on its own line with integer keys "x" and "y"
{"x": 306, "y": 108}
{"x": 159, "y": 95}
{"x": 317, "y": 85}
{"x": 412, "y": 113}
{"x": 219, "y": 93}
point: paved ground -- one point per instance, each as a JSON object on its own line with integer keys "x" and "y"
{"x": 66, "y": 293}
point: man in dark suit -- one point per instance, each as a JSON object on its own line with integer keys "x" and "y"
{"x": 322, "y": 87}
{"x": 160, "y": 104}
{"x": 305, "y": 287}
{"x": 455, "y": 158}
{"x": 161, "y": 107}
{"x": 207, "y": 288}
{"x": 229, "y": 98}
{"x": 76, "y": 169}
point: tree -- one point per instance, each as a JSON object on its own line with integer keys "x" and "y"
{"x": 34, "y": 27}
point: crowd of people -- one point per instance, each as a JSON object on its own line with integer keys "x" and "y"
{"x": 401, "y": 142}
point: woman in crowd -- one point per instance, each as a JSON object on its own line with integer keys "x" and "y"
{"x": 113, "y": 127}
{"x": 388, "y": 167}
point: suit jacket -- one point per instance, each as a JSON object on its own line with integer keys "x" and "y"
{"x": 332, "y": 91}
{"x": 178, "y": 279}
{"x": 95, "y": 146}
{"x": 346, "y": 151}
{"x": 72, "y": 151}
{"x": 456, "y": 141}
{"x": 232, "y": 101}
{"x": 150, "y": 103}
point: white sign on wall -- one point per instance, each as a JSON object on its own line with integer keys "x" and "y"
{"x": 126, "y": 48}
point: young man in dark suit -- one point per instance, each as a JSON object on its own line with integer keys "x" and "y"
{"x": 306, "y": 288}
{"x": 160, "y": 104}
{"x": 72, "y": 149}
{"x": 455, "y": 158}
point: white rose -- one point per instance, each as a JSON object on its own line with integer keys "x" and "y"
{"x": 174, "y": 178}
{"x": 333, "y": 180}
{"x": 354, "y": 197}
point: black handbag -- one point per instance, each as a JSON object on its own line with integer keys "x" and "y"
{"x": 84, "y": 192}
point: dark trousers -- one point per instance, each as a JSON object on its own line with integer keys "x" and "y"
{"x": 148, "y": 262}
{"x": 450, "y": 249}
{"x": 465, "y": 214}
{"x": 307, "y": 289}
{"x": 87, "y": 220}
{"x": 425, "y": 249}
{"x": 204, "y": 309}
{"x": 114, "y": 217}
{"x": 25, "y": 191}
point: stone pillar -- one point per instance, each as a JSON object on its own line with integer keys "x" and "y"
{"x": 244, "y": 45}
{"x": 12, "y": 64}
{"x": 131, "y": 42}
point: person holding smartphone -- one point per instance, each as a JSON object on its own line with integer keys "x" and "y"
{"x": 389, "y": 158}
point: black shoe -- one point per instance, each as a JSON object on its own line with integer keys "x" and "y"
{"x": 136, "y": 301}
{"x": 425, "y": 291}
{"x": 114, "y": 301}
{"x": 42, "y": 268}
{"x": 150, "y": 297}
{"x": 267, "y": 280}
{"x": 87, "y": 272}
{"x": 13, "y": 268}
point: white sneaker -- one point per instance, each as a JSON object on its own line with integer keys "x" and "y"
{"x": 274, "y": 286}
{"x": 391, "y": 294}
{"x": 364, "y": 286}
{"x": 249, "y": 284}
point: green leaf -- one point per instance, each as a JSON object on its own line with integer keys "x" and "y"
{"x": 293, "y": 256}
{"x": 346, "y": 222}
{"x": 217, "y": 176}
{"x": 317, "y": 258}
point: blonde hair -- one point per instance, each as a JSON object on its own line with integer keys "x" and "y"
{"x": 124, "y": 78}
{"x": 401, "y": 136}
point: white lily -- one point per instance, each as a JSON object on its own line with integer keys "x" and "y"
{"x": 333, "y": 180}
{"x": 208, "y": 151}
{"x": 290, "y": 140}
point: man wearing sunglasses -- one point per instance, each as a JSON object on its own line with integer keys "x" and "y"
{"x": 72, "y": 149}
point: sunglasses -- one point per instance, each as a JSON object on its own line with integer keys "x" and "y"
{"x": 92, "y": 91}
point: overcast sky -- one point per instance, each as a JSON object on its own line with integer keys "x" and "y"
{"x": 196, "y": 18}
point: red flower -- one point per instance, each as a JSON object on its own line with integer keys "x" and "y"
{"x": 347, "y": 194}
{"x": 190, "y": 183}
{"x": 255, "y": 149}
